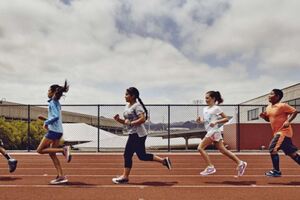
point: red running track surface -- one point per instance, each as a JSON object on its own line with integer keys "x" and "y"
{"x": 90, "y": 178}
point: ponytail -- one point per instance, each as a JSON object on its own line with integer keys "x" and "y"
{"x": 144, "y": 107}
{"x": 59, "y": 90}
{"x": 216, "y": 95}
{"x": 219, "y": 98}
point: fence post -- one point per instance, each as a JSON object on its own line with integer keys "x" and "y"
{"x": 98, "y": 130}
{"x": 169, "y": 124}
{"x": 28, "y": 128}
{"x": 238, "y": 131}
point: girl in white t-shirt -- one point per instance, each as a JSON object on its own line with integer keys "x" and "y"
{"x": 135, "y": 115}
{"x": 212, "y": 116}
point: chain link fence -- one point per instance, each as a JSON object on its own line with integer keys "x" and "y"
{"x": 170, "y": 127}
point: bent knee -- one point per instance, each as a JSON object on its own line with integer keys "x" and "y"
{"x": 40, "y": 151}
{"x": 52, "y": 155}
{"x": 200, "y": 148}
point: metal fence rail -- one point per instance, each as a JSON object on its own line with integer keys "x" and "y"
{"x": 90, "y": 127}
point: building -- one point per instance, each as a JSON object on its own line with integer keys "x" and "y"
{"x": 250, "y": 132}
{"x": 250, "y": 113}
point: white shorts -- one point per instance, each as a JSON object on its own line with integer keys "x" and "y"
{"x": 214, "y": 135}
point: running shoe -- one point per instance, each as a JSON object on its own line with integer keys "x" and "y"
{"x": 208, "y": 171}
{"x": 273, "y": 173}
{"x": 12, "y": 165}
{"x": 167, "y": 163}
{"x": 241, "y": 168}
{"x": 59, "y": 180}
{"x": 120, "y": 180}
{"x": 67, "y": 153}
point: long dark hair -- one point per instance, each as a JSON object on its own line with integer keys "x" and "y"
{"x": 132, "y": 91}
{"x": 216, "y": 95}
{"x": 59, "y": 90}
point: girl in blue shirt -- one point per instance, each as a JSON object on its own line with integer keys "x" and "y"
{"x": 50, "y": 142}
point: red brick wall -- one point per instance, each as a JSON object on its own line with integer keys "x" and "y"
{"x": 253, "y": 136}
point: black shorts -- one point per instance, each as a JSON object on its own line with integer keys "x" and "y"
{"x": 284, "y": 143}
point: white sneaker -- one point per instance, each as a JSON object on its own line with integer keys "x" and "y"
{"x": 120, "y": 180}
{"x": 208, "y": 170}
{"x": 241, "y": 168}
{"x": 67, "y": 153}
{"x": 59, "y": 180}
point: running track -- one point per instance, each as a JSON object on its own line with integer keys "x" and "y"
{"x": 90, "y": 178}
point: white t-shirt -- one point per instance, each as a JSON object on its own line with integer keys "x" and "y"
{"x": 210, "y": 114}
{"x": 132, "y": 113}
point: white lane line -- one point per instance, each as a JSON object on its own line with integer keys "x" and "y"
{"x": 195, "y": 153}
{"x": 155, "y": 176}
{"x": 138, "y": 186}
{"x": 144, "y": 168}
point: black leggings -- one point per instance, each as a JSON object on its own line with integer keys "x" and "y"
{"x": 136, "y": 144}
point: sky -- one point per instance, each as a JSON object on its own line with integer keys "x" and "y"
{"x": 173, "y": 51}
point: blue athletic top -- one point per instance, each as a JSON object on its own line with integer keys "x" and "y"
{"x": 54, "y": 120}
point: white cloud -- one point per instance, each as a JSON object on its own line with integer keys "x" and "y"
{"x": 267, "y": 31}
{"x": 161, "y": 47}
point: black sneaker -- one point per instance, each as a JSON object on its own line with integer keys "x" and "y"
{"x": 120, "y": 180}
{"x": 12, "y": 165}
{"x": 273, "y": 173}
{"x": 167, "y": 163}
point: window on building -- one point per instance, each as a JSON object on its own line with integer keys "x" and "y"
{"x": 292, "y": 103}
{"x": 253, "y": 114}
{"x": 295, "y": 103}
{"x": 298, "y": 104}
{"x": 264, "y": 108}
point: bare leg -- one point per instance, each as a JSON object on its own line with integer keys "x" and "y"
{"x": 226, "y": 152}
{"x": 158, "y": 159}
{"x": 2, "y": 151}
{"x": 45, "y": 147}
{"x": 126, "y": 173}
{"x": 201, "y": 148}
{"x": 55, "y": 159}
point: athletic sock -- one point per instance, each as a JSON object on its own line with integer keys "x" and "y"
{"x": 275, "y": 161}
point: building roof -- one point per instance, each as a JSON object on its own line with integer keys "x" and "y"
{"x": 259, "y": 97}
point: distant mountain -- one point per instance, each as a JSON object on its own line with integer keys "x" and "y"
{"x": 187, "y": 124}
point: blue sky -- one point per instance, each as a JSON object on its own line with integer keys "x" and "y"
{"x": 173, "y": 51}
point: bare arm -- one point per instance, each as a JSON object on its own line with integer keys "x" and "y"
{"x": 223, "y": 120}
{"x": 141, "y": 119}
{"x": 137, "y": 122}
{"x": 290, "y": 119}
{"x": 199, "y": 120}
{"x": 118, "y": 119}
{"x": 264, "y": 116}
